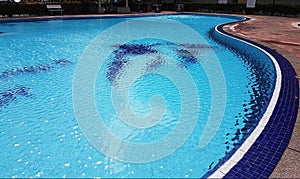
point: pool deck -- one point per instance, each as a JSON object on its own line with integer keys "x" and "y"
{"x": 279, "y": 34}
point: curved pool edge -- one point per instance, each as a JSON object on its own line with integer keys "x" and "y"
{"x": 259, "y": 154}
{"x": 251, "y": 164}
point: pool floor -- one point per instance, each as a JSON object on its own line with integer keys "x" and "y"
{"x": 263, "y": 156}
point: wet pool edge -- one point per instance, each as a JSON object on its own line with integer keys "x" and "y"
{"x": 264, "y": 154}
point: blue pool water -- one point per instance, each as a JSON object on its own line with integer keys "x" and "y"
{"x": 164, "y": 96}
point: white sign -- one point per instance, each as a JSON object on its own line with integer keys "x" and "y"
{"x": 251, "y": 3}
{"x": 222, "y": 1}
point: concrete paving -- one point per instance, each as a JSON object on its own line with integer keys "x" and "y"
{"x": 283, "y": 35}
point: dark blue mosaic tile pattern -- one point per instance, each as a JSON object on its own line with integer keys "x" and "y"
{"x": 186, "y": 56}
{"x": 263, "y": 156}
{"x": 119, "y": 57}
{"x": 120, "y": 54}
{"x": 11, "y": 94}
{"x": 33, "y": 69}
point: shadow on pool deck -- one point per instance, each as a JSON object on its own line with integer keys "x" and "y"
{"x": 279, "y": 34}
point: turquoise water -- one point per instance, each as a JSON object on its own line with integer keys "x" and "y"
{"x": 209, "y": 94}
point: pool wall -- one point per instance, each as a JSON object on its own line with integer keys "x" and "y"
{"x": 273, "y": 133}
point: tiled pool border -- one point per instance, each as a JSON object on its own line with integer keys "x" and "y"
{"x": 259, "y": 156}
{"x": 262, "y": 150}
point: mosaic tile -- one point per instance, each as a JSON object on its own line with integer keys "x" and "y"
{"x": 9, "y": 95}
{"x": 261, "y": 159}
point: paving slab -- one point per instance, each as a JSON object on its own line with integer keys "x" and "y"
{"x": 295, "y": 140}
{"x": 288, "y": 166}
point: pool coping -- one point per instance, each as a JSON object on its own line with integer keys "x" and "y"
{"x": 282, "y": 37}
{"x": 238, "y": 171}
{"x": 249, "y": 141}
{"x": 247, "y": 163}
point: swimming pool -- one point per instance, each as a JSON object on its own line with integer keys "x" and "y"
{"x": 159, "y": 96}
